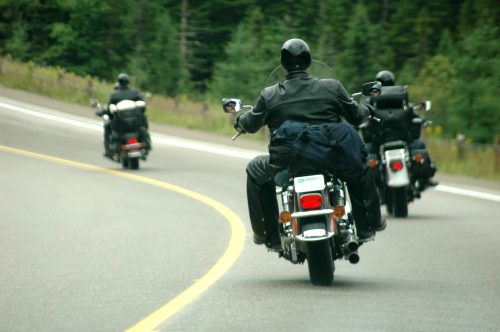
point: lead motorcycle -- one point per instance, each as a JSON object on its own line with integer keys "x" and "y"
{"x": 315, "y": 221}
{"x": 396, "y": 166}
{"x": 127, "y": 142}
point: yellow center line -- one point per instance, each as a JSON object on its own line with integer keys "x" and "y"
{"x": 231, "y": 254}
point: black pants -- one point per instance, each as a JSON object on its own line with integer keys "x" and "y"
{"x": 107, "y": 136}
{"x": 263, "y": 206}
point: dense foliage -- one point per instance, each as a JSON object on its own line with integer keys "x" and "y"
{"x": 446, "y": 50}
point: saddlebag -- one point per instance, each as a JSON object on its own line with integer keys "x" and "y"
{"x": 303, "y": 148}
{"x": 391, "y": 109}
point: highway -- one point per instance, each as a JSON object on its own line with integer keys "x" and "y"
{"x": 85, "y": 246}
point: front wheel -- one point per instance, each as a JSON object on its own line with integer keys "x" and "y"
{"x": 320, "y": 263}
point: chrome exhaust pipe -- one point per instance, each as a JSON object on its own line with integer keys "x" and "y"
{"x": 352, "y": 243}
{"x": 353, "y": 258}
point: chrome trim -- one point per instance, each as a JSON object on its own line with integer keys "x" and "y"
{"x": 311, "y": 239}
{"x": 134, "y": 154}
{"x": 133, "y": 146}
{"x": 303, "y": 214}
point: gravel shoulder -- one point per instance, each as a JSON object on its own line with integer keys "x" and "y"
{"x": 493, "y": 185}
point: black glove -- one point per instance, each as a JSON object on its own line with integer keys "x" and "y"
{"x": 100, "y": 112}
{"x": 237, "y": 125}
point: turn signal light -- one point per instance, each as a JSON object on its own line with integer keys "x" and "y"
{"x": 418, "y": 158}
{"x": 311, "y": 201}
{"x": 285, "y": 217}
{"x": 396, "y": 165}
{"x": 372, "y": 163}
{"x": 339, "y": 211}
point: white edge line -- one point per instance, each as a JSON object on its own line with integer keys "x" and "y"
{"x": 161, "y": 139}
{"x": 467, "y": 192}
{"x": 218, "y": 149}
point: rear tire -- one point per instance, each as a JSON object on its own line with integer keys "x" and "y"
{"x": 125, "y": 163}
{"x": 400, "y": 201}
{"x": 134, "y": 163}
{"x": 320, "y": 263}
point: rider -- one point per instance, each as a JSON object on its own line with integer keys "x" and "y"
{"x": 302, "y": 98}
{"x": 123, "y": 92}
{"x": 387, "y": 78}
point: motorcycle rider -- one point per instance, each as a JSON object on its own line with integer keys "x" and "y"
{"x": 387, "y": 78}
{"x": 122, "y": 91}
{"x": 303, "y": 98}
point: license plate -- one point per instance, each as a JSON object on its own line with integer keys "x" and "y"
{"x": 309, "y": 183}
{"x": 395, "y": 154}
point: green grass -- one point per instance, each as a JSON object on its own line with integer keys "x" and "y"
{"x": 473, "y": 161}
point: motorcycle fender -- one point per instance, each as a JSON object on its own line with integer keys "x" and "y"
{"x": 134, "y": 154}
{"x": 303, "y": 245}
{"x": 399, "y": 178}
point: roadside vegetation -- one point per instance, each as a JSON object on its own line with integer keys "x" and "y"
{"x": 452, "y": 157}
{"x": 59, "y": 84}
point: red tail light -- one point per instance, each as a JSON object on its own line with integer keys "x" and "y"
{"x": 396, "y": 165}
{"x": 132, "y": 140}
{"x": 311, "y": 201}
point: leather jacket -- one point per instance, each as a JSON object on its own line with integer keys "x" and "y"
{"x": 124, "y": 93}
{"x": 303, "y": 98}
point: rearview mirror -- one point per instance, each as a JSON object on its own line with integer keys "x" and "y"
{"x": 368, "y": 87}
{"x": 231, "y": 105}
{"x": 423, "y": 106}
{"x": 427, "y": 105}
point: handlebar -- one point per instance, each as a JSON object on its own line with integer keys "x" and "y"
{"x": 236, "y": 135}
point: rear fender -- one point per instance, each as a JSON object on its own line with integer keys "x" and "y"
{"x": 395, "y": 153}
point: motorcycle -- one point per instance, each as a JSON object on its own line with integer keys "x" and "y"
{"x": 396, "y": 164}
{"x": 315, "y": 220}
{"x": 127, "y": 142}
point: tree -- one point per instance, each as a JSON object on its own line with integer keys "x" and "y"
{"x": 241, "y": 74}
{"x": 358, "y": 63}
{"x": 433, "y": 84}
{"x": 475, "y": 108}
{"x": 330, "y": 20}
{"x": 87, "y": 42}
{"x": 18, "y": 46}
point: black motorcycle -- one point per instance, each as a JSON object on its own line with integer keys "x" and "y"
{"x": 315, "y": 220}
{"x": 397, "y": 166}
{"x": 128, "y": 143}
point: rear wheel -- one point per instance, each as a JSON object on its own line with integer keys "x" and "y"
{"x": 320, "y": 263}
{"x": 134, "y": 163}
{"x": 400, "y": 202}
{"x": 125, "y": 163}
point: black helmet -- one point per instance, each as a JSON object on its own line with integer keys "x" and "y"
{"x": 123, "y": 79}
{"x": 295, "y": 55}
{"x": 385, "y": 77}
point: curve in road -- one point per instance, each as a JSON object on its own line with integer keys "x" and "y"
{"x": 231, "y": 254}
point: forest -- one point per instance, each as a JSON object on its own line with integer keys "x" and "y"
{"x": 446, "y": 51}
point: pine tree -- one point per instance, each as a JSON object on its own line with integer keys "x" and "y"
{"x": 475, "y": 108}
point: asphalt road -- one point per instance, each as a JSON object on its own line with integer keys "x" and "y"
{"x": 85, "y": 248}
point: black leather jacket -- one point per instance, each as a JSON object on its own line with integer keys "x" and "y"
{"x": 124, "y": 93}
{"x": 303, "y": 98}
